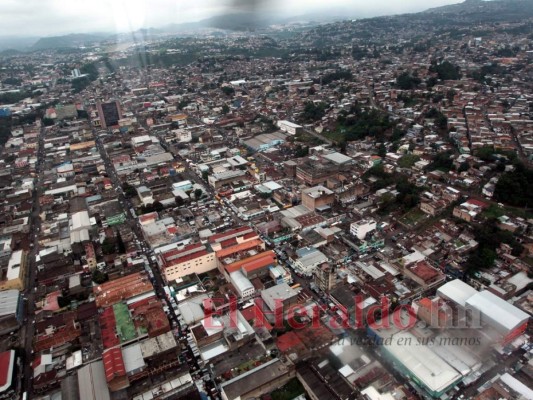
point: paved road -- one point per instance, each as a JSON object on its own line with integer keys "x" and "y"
{"x": 28, "y": 328}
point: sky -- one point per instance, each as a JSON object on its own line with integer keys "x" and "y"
{"x": 58, "y": 17}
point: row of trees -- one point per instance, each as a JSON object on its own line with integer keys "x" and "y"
{"x": 515, "y": 187}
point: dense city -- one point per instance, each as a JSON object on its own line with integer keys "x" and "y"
{"x": 333, "y": 211}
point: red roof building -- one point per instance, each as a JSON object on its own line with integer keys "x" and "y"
{"x": 7, "y": 361}
{"x": 115, "y": 371}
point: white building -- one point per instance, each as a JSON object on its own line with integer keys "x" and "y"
{"x": 183, "y": 185}
{"x": 361, "y": 228}
{"x": 182, "y": 135}
{"x": 308, "y": 259}
{"x": 289, "y": 127}
{"x": 242, "y": 284}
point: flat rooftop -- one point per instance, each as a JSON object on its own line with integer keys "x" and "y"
{"x": 257, "y": 377}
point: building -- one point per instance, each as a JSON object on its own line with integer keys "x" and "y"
{"x": 424, "y": 274}
{"x": 307, "y": 259}
{"x": 92, "y": 383}
{"x": 279, "y": 296}
{"x": 265, "y": 141}
{"x": 251, "y": 264}
{"x": 317, "y": 169}
{"x": 115, "y": 370}
{"x": 258, "y": 381}
{"x": 217, "y": 180}
{"x": 361, "y": 228}
{"x": 318, "y": 198}
{"x": 7, "y": 364}
{"x": 115, "y": 291}
{"x": 469, "y": 210}
{"x": 290, "y": 127}
{"x": 13, "y": 276}
{"x": 456, "y": 291}
{"x": 109, "y": 113}
{"x": 184, "y": 185}
{"x": 192, "y": 259}
{"x": 324, "y": 277}
{"x": 232, "y": 237}
{"x": 10, "y": 311}
{"x": 507, "y": 319}
{"x": 420, "y": 363}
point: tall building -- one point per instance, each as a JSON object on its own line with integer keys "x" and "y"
{"x": 324, "y": 277}
{"x": 109, "y": 113}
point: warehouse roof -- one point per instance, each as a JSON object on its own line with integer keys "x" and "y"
{"x": 456, "y": 291}
{"x": 8, "y": 302}
{"x": 92, "y": 383}
{"x": 497, "y": 310}
{"x": 421, "y": 362}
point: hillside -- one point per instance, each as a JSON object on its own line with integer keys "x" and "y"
{"x": 451, "y": 21}
{"x": 66, "y": 41}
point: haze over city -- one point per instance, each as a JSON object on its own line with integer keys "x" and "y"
{"x": 55, "y": 17}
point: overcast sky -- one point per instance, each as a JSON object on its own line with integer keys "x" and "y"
{"x": 55, "y": 17}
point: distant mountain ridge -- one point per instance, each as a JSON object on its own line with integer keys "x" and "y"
{"x": 493, "y": 10}
{"x": 469, "y": 10}
{"x": 66, "y": 41}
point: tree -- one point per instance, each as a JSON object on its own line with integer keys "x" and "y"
{"x": 108, "y": 246}
{"x": 445, "y": 70}
{"x": 450, "y": 95}
{"x": 99, "y": 277}
{"x": 440, "y": 119}
{"x": 225, "y": 109}
{"x": 228, "y": 90}
{"x": 48, "y": 121}
{"x": 120, "y": 244}
{"x": 129, "y": 191}
{"x": 63, "y": 301}
{"x": 406, "y": 81}
{"x": 314, "y": 111}
{"x": 301, "y": 151}
{"x": 179, "y": 201}
{"x": 198, "y": 193}
{"x": 382, "y": 150}
{"x": 408, "y": 160}
{"x": 158, "y": 206}
{"x": 442, "y": 161}
{"x": 432, "y": 81}
{"x": 205, "y": 175}
{"x": 514, "y": 187}
{"x": 463, "y": 167}
{"x": 486, "y": 153}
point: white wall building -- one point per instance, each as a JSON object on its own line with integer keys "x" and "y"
{"x": 361, "y": 228}
{"x": 289, "y": 127}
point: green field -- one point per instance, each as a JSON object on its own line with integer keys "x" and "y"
{"x": 124, "y": 325}
{"x": 413, "y": 217}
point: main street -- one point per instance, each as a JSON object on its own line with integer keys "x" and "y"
{"x": 127, "y": 205}
{"x": 28, "y": 328}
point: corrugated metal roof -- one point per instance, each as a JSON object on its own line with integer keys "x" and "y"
{"x": 497, "y": 310}
{"x": 92, "y": 383}
{"x": 8, "y": 302}
{"x": 456, "y": 291}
